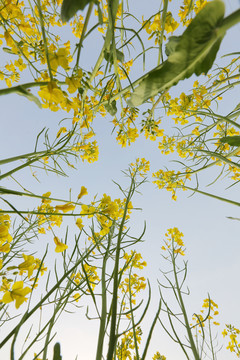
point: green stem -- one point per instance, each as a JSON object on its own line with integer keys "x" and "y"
{"x": 20, "y": 193}
{"x": 106, "y": 47}
{"x": 44, "y": 39}
{"x": 18, "y": 88}
{"x": 151, "y": 332}
{"x": 165, "y": 7}
{"x": 230, "y": 21}
{"x": 132, "y": 317}
{"x": 83, "y": 32}
{"x": 213, "y": 196}
{"x": 20, "y": 157}
{"x": 112, "y": 336}
{"x": 103, "y": 317}
{"x": 181, "y": 303}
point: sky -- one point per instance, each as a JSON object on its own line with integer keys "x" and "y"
{"x": 211, "y": 239}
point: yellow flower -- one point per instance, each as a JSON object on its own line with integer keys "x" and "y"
{"x": 88, "y": 210}
{"x": 82, "y": 192}
{"x": 66, "y": 207}
{"x": 79, "y": 223}
{"x": 60, "y": 246}
{"x": 60, "y": 58}
{"x": 52, "y": 96}
{"x": 46, "y": 201}
{"x": 77, "y": 297}
{"x": 224, "y": 333}
{"x": 61, "y": 131}
{"x": 5, "y": 248}
{"x": 28, "y": 265}
{"x": 74, "y": 82}
{"x": 18, "y": 293}
{"x": 4, "y": 226}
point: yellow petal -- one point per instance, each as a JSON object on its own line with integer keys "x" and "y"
{"x": 66, "y": 207}
{"x": 60, "y": 246}
{"x": 79, "y": 223}
{"x": 82, "y": 192}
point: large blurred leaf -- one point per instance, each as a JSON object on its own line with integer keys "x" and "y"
{"x": 170, "y": 47}
{"x": 193, "y": 52}
{"x": 111, "y": 108}
{"x": 108, "y": 56}
{"x": 231, "y": 140}
{"x": 70, "y": 7}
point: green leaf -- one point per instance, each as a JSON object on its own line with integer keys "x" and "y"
{"x": 172, "y": 44}
{"x": 9, "y": 51}
{"x": 231, "y": 140}
{"x": 57, "y": 352}
{"x": 23, "y": 92}
{"x": 100, "y": 15}
{"x": 108, "y": 56}
{"x": 194, "y": 52}
{"x": 70, "y": 7}
{"x": 111, "y": 108}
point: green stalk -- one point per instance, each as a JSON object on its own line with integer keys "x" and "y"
{"x": 29, "y": 162}
{"x": 151, "y": 331}
{"x": 213, "y": 196}
{"x": 106, "y": 47}
{"x": 20, "y": 193}
{"x": 18, "y": 88}
{"x": 44, "y": 39}
{"x": 163, "y": 20}
{"x": 181, "y": 303}
{"x": 112, "y": 336}
{"x": 83, "y": 32}
{"x": 103, "y": 317}
{"x": 229, "y": 21}
{"x": 132, "y": 318}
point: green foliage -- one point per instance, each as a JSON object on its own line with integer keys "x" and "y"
{"x": 70, "y": 8}
{"x": 111, "y": 108}
{"x": 231, "y": 140}
{"x": 171, "y": 45}
{"x": 108, "y": 56}
{"x": 194, "y": 52}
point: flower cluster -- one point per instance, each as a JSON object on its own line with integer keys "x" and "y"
{"x": 89, "y": 276}
{"x": 14, "y": 290}
{"x": 208, "y": 312}
{"x": 128, "y": 132}
{"x": 126, "y": 344}
{"x": 158, "y": 356}
{"x": 234, "y": 343}
{"x": 140, "y": 167}
{"x": 174, "y": 241}
{"x": 154, "y": 27}
{"x": 151, "y": 129}
{"x": 5, "y": 237}
{"x": 48, "y": 214}
{"x": 187, "y": 7}
{"x": 170, "y": 180}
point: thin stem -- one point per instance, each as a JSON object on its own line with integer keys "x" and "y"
{"x": 112, "y": 336}
{"x": 213, "y": 196}
{"x": 190, "y": 337}
{"x": 83, "y": 32}
{"x": 44, "y": 39}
